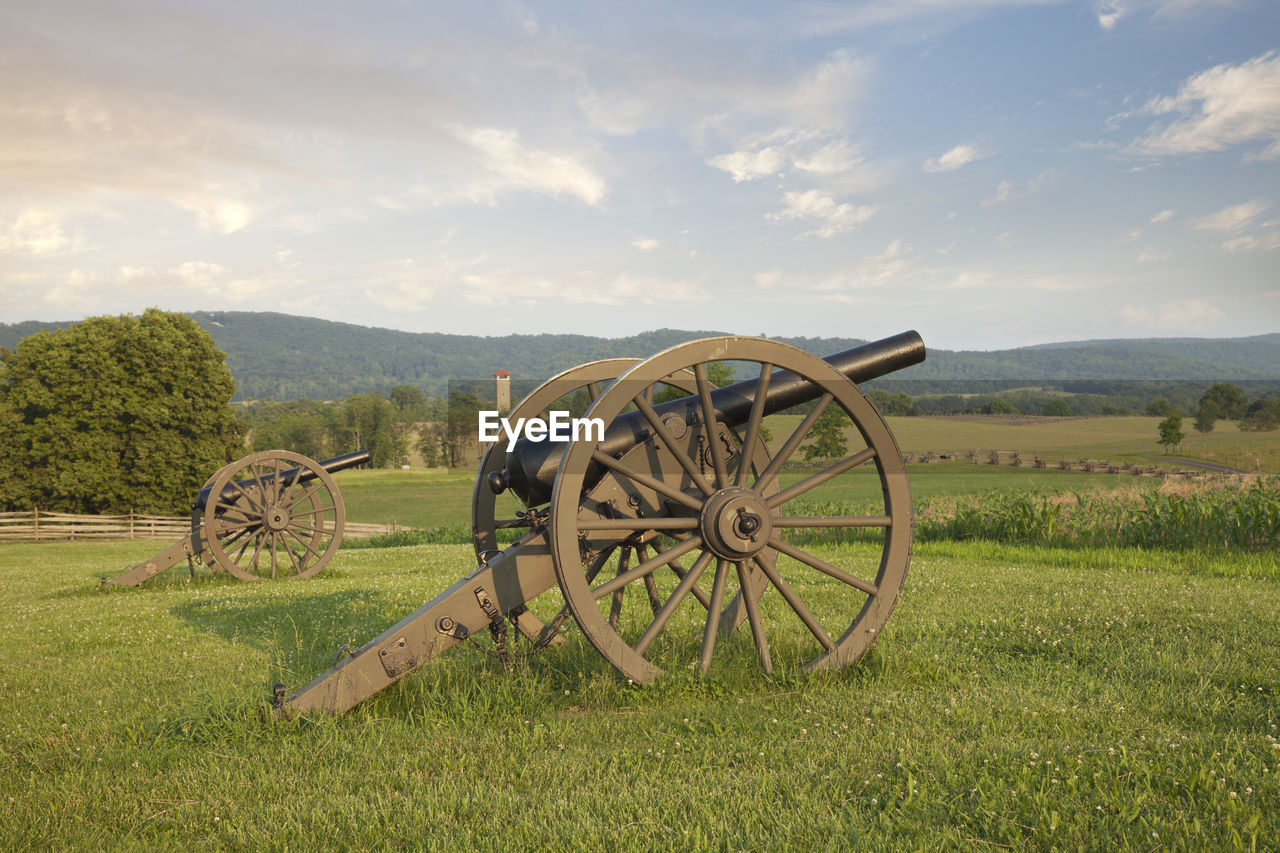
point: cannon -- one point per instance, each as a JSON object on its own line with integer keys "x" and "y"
{"x": 666, "y": 534}
{"x": 271, "y": 514}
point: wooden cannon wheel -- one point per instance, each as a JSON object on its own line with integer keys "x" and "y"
{"x": 491, "y": 512}
{"x": 273, "y": 514}
{"x": 733, "y": 522}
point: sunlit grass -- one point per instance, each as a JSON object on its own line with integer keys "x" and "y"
{"x": 1023, "y": 698}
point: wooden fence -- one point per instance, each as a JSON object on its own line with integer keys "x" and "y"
{"x": 41, "y": 526}
{"x": 1018, "y": 459}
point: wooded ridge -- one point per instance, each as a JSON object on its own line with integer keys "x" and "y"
{"x": 285, "y": 357}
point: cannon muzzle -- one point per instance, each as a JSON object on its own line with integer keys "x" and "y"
{"x": 290, "y": 475}
{"x": 531, "y": 466}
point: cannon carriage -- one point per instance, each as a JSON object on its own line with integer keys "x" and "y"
{"x": 678, "y": 527}
{"x": 272, "y": 514}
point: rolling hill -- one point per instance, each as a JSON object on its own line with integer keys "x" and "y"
{"x": 284, "y": 357}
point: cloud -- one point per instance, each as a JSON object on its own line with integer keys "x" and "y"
{"x": 874, "y": 271}
{"x": 1189, "y": 315}
{"x": 1110, "y": 12}
{"x": 953, "y": 159}
{"x": 1232, "y": 218}
{"x": 519, "y": 167}
{"x": 1003, "y": 191}
{"x": 1217, "y": 109}
{"x": 817, "y": 206}
{"x": 36, "y": 231}
{"x": 1249, "y": 243}
{"x": 1007, "y": 191}
{"x": 813, "y": 156}
{"x": 1161, "y": 217}
{"x": 748, "y": 165}
{"x": 1152, "y": 255}
{"x": 584, "y": 287}
{"x": 645, "y": 244}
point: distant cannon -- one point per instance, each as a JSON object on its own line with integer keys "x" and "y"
{"x": 271, "y": 514}
{"x": 682, "y": 472}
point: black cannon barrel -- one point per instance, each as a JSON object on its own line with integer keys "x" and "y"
{"x": 332, "y": 466}
{"x": 531, "y": 465}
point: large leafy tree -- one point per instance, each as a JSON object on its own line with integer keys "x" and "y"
{"x": 114, "y": 413}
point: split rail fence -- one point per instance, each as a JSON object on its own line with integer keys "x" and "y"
{"x": 42, "y": 526}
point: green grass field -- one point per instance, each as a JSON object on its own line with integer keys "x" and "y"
{"x": 1020, "y": 698}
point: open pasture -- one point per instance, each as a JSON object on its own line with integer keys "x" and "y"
{"x": 1029, "y": 699}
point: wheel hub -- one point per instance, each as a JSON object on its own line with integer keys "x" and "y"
{"x": 736, "y": 523}
{"x": 276, "y": 518}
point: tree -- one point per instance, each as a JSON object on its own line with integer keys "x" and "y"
{"x": 113, "y": 414}
{"x": 1263, "y": 415}
{"x": 409, "y": 402}
{"x": 1171, "y": 432}
{"x": 827, "y": 436}
{"x": 1056, "y": 407}
{"x": 1205, "y": 417}
{"x": 304, "y": 426}
{"x": 1161, "y": 408}
{"x": 369, "y": 421}
{"x": 1226, "y": 401}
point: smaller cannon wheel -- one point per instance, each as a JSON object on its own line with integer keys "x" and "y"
{"x": 729, "y": 519}
{"x": 273, "y": 514}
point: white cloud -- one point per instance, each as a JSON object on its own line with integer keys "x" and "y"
{"x": 1248, "y": 243}
{"x": 968, "y": 280}
{"x": 747, "y": 165}
{"x": 1161, "y": 217}
{"x": 36, "y": 231}
{"x": 1217, "y": 109}
{"x": 1152, "y": 255}
{"x": 1110, "y": 12}
{"x": 1232, "y": 218}
{"x": 1003, "y": 191}
{"x": 199, "y": 274}
{"x": 815, "y": 205}
{"x": 1007, "y": 191}
{"x": 1189, "y": 315}
{"x": 518, "y": 167}
{"x": 645, "y": 244}
{"x": 586, "y": 287}
{"x": 828, "y": 157}
{"x": 953, "y": 159}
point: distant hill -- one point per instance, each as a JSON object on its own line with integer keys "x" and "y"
{"x": 284, "y": 357}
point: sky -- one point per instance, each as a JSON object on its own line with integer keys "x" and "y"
{"x": 992, "y": 173}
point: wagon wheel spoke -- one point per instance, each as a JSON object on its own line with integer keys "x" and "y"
{"x": 306, "y": 545}
{"x": 638, "y": 524}
{"x": 713, "y": 615}
{"x": 645, "y": 480}
{"x": 815, "y": 480}
{"x": 647, "y": 567}
{"x": 660, "y": 430}
{"x": 753, "y": 619}
{"x": 747, "y": 452}
{"x": 821, "y": 565}
{"x": 676, "y": 569}
{"x": 615, "y": 606}
{"x": 798, "y": 606}
{"x": 792, "y": 443}
{"x": 669, "y": 608}
{"x": 709, "y": 425}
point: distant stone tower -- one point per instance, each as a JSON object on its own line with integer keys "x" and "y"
{"x": 502, "y": 390}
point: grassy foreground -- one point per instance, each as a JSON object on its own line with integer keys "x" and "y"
{"x": 1026, "y": 699}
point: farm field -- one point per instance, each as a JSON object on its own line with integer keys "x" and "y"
{"x": 438, "y": 498}
{"x": 1021, "y": 698}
